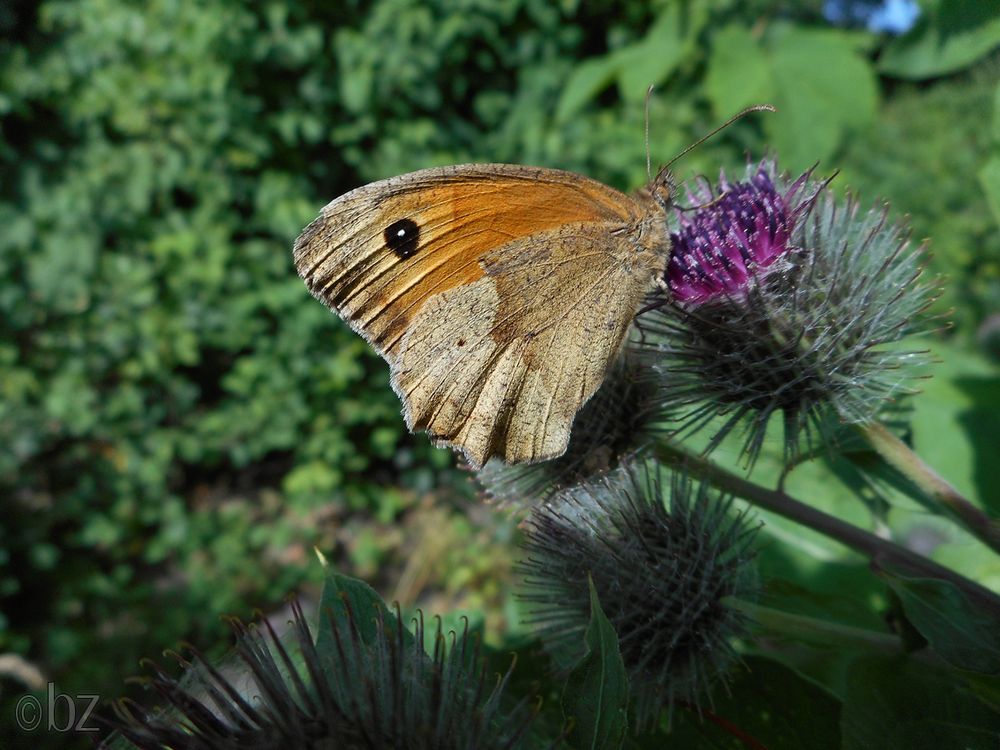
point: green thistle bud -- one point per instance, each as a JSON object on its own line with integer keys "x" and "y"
{"x": 661, "y": 564}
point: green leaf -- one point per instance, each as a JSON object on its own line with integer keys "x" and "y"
{"x": 636, "y": 66}
{"x": 738, "y": 72}
{"x": 348, "y": 600}
{"x": 989, "y": 178}
{"x": 670, "y": 40}
{"x": 768, "y": 702}
{"x": 823, "y": 88}
{"x": 956, "y": 422}
{"x": 595, "y": 697}
{"x": 837, "y": 592}
{"x": 588, "y": 79}
{"x": 897, "y": 703}
{"x": 950, "y": 35}
{"x": 961, "y": 633}
{"x": 996, "y": 116}
{"x": 872, "y": 480}
{"x": 985, "y": 687}
{"x": 974, "y": 559}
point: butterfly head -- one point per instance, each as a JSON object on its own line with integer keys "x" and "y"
{"x": 663, "y": 188}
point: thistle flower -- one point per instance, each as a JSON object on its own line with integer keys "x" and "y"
{"x": 738, "y": 235}
{"x": 661, "y": 564}
{"x": 372, "y": 692}
{"x": 621, "y": 419}
{"x": 785, "y": 302}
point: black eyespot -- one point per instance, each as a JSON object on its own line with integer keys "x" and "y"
{"x": 402, "y": 237}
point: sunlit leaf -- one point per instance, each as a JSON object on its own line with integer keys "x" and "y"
{"x": 989, "y": 178}
{"x": 956, "y": 422}
{"x": 669, "y": 42}
{"x": 950, "y": 35}
{"x": 823, "y": 89}
{"x": 739, "y": 73}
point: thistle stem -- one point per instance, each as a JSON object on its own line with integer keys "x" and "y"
{"x": 934, "y": 488}
{"x": 879, "y": 551}
{"x": 813, "y": 630}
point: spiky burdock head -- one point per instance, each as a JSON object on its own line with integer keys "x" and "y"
{"x": 375, "y": 687}
{"x": 621, "y": 419}
{"x": 785, "y": 303}
{"x": 662, "y": 557}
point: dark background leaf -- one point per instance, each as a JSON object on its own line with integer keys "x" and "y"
{"x": 903, "y": 704}
{"x": 963, "y": 634}
{"x": 349, "y": 605}
{"x": 767, "y": 702}
{"x": 595, "y": 697}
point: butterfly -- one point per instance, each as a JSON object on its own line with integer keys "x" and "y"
{"x": 499, "y": 294}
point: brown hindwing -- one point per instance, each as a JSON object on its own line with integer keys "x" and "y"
{"x": 502, "y": 365}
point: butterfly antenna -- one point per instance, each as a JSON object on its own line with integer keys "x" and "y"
{"x": 743, "y": 113}
{"x": 649, "y": 161}
{"x": 699, "y": 207}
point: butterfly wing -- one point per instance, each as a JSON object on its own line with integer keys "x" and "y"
{"x": 502, "y": 365}
{"x": 354, "y": 259}
{"x": 493, "y": 291}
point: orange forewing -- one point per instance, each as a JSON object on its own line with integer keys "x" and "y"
{"x": 462, "y": 212}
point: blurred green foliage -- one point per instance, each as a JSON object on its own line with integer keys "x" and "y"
{"x": 180, "y": 422}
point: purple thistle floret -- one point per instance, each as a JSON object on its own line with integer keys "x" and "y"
{"x": 722, "y": 247}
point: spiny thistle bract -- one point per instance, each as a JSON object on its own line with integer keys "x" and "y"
{"x": 661, "y": 563}
{"x": 785, "y": 302}
{"x": 381, "y": 692}
{"x": 621, "y": 419}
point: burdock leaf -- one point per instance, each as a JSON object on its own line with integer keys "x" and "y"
{"x": 961, "y": 633}
{"x": 957, "y": 421}
{"x": 596, "y": 694}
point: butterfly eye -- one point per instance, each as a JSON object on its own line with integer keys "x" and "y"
{"x": 402, "y": 237}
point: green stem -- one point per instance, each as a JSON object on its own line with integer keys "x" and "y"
{"x": 880, "y": 551}
{"x": 934, "y": 487}
{"x": 813, "y": 630}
